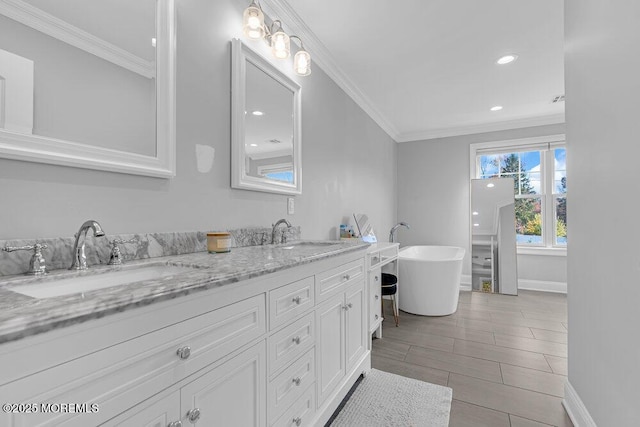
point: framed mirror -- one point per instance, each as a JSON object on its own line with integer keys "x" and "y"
{"x": 493, "y": 236}
{"x": 89, "y": 84}
{"x": 265, "y": 125}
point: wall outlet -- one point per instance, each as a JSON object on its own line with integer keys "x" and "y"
{"x": 291, "y": 205}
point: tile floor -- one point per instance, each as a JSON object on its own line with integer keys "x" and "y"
{"x": 505, "y": 357}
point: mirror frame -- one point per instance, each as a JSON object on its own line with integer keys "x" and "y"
{"x": 34, "y": 148}
{"x": 240, "y": 55}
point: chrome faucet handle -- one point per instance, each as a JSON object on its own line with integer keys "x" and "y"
{"x": 116, "y": 256}
{"x": 37, "y": 264}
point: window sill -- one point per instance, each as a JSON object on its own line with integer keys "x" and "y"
{"x": 544, "y": 251}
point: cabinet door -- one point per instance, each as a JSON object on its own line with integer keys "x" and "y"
{"x": 233, "y": 394}
{"x": 355, "y": 326}
{"x": 160, "y": 413}
{"x": 330, "y": 345}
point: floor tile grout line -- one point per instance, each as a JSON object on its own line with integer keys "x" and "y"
{"x": 486, "y": 407}
{"x": 498, "y": 410}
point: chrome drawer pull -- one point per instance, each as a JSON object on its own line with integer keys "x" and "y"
{"x": 193, "y": 415}
{"x": 346, "y": 277}
{"x": 184, "y": 352}
{"x": 297, "y": 300}
{"x": 296, "y": 340}
{"x": 297, "y": 421}
{"x": 297, "y": 380}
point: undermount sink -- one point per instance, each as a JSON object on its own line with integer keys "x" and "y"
{"x": 54, "y": 287}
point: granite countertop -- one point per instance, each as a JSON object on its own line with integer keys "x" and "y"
{"x": 21, "y": 315}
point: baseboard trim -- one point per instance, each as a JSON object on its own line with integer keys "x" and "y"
{"x": 542, "y": 285}
{"x": 465, "y": 282}
{"x": 576, "y": 410}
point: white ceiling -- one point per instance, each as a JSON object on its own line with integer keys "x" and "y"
{"x": 426, "y": 68}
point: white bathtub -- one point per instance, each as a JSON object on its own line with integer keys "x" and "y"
{"x": 429, "y": 279}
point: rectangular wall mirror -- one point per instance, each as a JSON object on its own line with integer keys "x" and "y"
{"x": 265, "y": 133}
{"x": 89, "y": 84}
{"x": 493, "y": 236}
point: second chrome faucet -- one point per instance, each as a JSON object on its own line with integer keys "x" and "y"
{"x": 79, "y": 257}
{"x": 275, "y": 227}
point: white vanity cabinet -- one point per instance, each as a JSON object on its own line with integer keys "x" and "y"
{"x": 232, "y": 394}
{"x": 380, "y": 257}
{"x": 260, "y": 352}
{"x": 341, "y": 326}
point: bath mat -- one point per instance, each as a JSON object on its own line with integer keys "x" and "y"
{"x": 384, "y": 399}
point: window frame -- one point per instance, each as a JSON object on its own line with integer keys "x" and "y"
{"x": 546, "y": 145}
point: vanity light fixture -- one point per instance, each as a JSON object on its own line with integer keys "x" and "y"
{"x": 507, "y": 59}
{"x": 496, "y": 108}
{"x": 253, "y": 21}
{"x": 255, "y": 28}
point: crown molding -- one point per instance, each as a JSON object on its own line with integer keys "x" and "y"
{"x": 322, "y": 57}
{"x": 481, "y": 128}
{"x": 281, "y": 9}
{"x": 57, "y": 28}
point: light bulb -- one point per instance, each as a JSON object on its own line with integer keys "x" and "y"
{"x": 253, "y": 22}
{"x": 280, "y": 45}
{"x": 302, "y": 63}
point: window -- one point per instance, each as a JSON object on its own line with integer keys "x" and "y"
{"x": 539, "y": 174}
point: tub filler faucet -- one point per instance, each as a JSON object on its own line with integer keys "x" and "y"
{"x": 79, "y": 257}
{"x": 392, "y": 233}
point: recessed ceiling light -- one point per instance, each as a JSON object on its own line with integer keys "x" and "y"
{"x": 253, "y": 145}
{"x": 258, "y": 113}
{"x": 491, "y": 185}
{"x": 476, "y": 225}
{"x": 507, "y": 59}
{"x": 496, "y": 108}
{"x": 475, "y": 213}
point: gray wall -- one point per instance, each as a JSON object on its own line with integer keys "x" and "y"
{"x": 602, "y": 87}
{"x": 349, "y": 163}
{"x": 433, "y": 196}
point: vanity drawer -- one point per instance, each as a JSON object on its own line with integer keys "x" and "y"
{"x": 301, "y": 413}
{"x": 291, "y": 383}
{"x": 289, "y": 343}
{"x": 120, "y": 376}
{"x": 330, "y": 282}
{"x": 383, "y": 256}
{"x": 289, "y": 301}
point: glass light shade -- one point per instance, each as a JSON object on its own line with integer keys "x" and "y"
{"x": 280, "y": 44}
{"x": 302, "y": 63}
{"x": 253, "y": 22}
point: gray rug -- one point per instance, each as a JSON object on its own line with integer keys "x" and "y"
{"x": 384, "y": 399}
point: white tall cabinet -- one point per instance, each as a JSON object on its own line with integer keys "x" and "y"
{"x": 281, "y": 349}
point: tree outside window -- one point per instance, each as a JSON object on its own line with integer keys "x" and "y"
{"x": 532, "y": 197}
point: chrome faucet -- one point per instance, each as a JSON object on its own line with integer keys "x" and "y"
{"x": 275, "y": 226}
{"x": 392, "y": 233}
{"x": 79, "y": 257}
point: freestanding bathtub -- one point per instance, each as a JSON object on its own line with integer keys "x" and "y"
{"x": 429, "y": 279}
